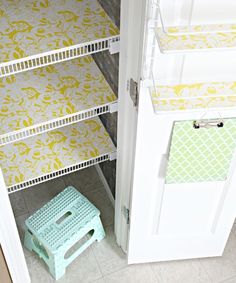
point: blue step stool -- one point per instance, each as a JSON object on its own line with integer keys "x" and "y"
{"x": 55, "y": 228}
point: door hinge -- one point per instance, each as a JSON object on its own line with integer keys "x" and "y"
{"x": 126, "y": 214}
{"x": 133, "y": 91}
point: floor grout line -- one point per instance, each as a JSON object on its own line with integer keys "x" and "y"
{"x": 157, "y": 280}
{"x": 100, "y": 188}
{"x": 205, "y": 270}
{"x": 97, "y": 264}
{"x": 225, "y": 281}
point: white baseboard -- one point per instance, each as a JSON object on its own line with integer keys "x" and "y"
{"x": 105, "y": 184}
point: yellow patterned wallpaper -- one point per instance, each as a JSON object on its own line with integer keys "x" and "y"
{"x": 51, "y": 92}
{"x": 194, "y": 96}
{"x": 207, "y": 37}
{"x": 55, "y": 150}
{"x": 32, "y": 27}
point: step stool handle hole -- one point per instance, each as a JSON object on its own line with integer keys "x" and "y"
{"x": 63, "y": 217}
{"x": 79, "y": 244}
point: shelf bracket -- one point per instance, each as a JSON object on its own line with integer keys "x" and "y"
{"x": 113, "y": 107}
{"x": 114, "y": 47}
{"x": 112, "y": 156}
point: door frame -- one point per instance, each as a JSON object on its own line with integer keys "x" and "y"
{"x": 10, "y": 240}
{"x": 133, "y": 19}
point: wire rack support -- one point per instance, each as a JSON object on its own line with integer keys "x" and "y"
{"x": 60, "y": 55}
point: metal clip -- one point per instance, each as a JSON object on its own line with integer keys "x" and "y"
{"x": 207, "y": 124}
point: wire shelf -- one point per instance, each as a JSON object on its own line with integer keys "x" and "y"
{"x": 53, "y": 57}
{"x": 34, "y": 35}
{"x": 54, "y": 154}
{"x": 65, "y": 171}
{"x": 52, "y": 97}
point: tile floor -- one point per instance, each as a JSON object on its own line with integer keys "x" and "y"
{"x": 104, "y": 262}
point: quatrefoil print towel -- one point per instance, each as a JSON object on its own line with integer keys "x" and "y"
{"x": 200, "y": 155}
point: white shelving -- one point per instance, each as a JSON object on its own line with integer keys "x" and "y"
{"x": 184, "y": 78}
{"x": 196, "y": 38}
{"x": 35, "y": 106}
{"x": 171, "y": 98}
{"x": 55, "y": 153}
{"x": 40, "y": 33}
{"x": 52, "y": 97}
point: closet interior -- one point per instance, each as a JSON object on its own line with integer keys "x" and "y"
{"x": 59, "y": 67}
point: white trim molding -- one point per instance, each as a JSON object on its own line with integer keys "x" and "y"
{"x": 10, "y": 240}
{"x": 105, "y": 184}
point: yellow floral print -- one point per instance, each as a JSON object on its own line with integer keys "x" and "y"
{"x": 205, "y": 37}
{"x": 194, "y": 96}
{"x": 47, "y": 93}
{"x": 55, "y": 150}
{"x": 33, "y": 27}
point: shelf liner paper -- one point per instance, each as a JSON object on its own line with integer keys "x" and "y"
{"x": 41, "y": 95}
{"x": 202, "y": 37}
{"x": 32, "y": 27}
{"x": 54, "y": 150}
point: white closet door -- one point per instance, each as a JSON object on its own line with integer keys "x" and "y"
{"x": 173, "y": 220}
{"x": 10, "y": 240}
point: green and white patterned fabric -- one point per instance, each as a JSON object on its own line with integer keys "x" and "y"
{"x": 200, "y": 155}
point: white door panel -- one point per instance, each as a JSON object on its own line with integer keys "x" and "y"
{"x": 189, "y": 209}
{"x": 170, "y": 221}
{"x": 209, "y": 12}
{"x": 174, "y": 221}
{"x": 212, "y": 11}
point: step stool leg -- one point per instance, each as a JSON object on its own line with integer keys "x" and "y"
{"x": 57, "y": 266}
{"x": 99, "y": 231}
{"x": 28, "y": 243}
